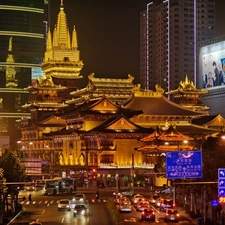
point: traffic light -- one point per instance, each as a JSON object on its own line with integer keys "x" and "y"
{"x": 94, "y": 174}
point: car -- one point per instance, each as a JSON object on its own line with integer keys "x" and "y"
{"x": 125, "y": 207}
{"x": 141, "y": 206}
{"x": 80, "y": 209}
{"x": 78, "y": 198}
{"x": 124, "y": 199}
{"x": 29, "y": 187}
{"x": 153, "y": 198}
{"x": 64, "y": 204}
{"x": 35, "y": 222}
{"x": 148, "y": 214}
{"x": 118, "y": 198}
{"x": 125, "y": 192}
{"x": 166, "y": 204}
{"x": 167, "y": 191}
{"x": 158, "y": 202}
{"x": 136, "y": 197}
{"x": 172, "y": 215}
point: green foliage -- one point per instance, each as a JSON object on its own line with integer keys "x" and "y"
{"x": 114, "y": 212}
{"x": 3, "y": 187}
{"x": 14, "y": 171}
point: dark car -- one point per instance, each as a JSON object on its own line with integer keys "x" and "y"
{"x": 166, "y": 204}
{"x": 80, "y": 210}
{"x": 148, "y": 214}
{"x": 171, "y": 215}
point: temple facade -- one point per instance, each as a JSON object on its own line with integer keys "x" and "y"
{"x": 111, "y": 125}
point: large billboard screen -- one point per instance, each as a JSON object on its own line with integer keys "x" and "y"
{"x": 212, "y": 65}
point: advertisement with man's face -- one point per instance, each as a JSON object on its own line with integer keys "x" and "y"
{"x": 213, "y": 69}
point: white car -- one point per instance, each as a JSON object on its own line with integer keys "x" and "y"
{"x": 167, "y": 191}
{"x": 125, "y": 192}
{"x": 136, "y": 197}
{"x": 64, "y": 204}
{"x": 78, "y": 198}
{"x": 125, "y": 207}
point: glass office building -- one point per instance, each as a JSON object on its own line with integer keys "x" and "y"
{"x": 22, "y": 44}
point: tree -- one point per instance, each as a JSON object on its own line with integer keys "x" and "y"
{"x": 13, "y": 171}
{"x": 3, "y": 190}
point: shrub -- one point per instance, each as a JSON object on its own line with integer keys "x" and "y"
{"x": 114, "y": 212}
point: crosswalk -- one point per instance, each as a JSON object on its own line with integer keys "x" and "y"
{"x": 52, "y": 202}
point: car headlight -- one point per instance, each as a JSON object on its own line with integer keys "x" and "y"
{"x": 75, "y": 211}
{"x": 82, "y": 199}
{"x": 59, "y": 206}
{"x": 82, "y": 212}
{"x": 67, "y": 206}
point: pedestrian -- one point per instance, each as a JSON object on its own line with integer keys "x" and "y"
{"x": 29, "y": 198}
{"x": 97, "y": 194}
{"x": 223, "y": 218}
{"x": 24, "y": 198}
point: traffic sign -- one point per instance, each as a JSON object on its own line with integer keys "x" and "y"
{"x": 214, "y": 203}
{"x": 221, "y": 173}
{"x": 221, "y": 182}
{"x": 221, "y": 192}
{"x": 184, "y": 164}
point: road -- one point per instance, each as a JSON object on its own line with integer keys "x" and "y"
{"x": 45, "y": 209}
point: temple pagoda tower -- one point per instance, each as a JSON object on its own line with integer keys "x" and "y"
{"x": 188, "y": 96}
{"x": 44, "y": 98}
{"x": 62, "y": 57}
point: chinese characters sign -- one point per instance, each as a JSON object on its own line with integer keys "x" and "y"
{"x": 184, "y": 164}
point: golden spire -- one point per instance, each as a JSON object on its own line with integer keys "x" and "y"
{"x": 49, "y": 40}
{"x": 10, "y": 72}
{"x": 62, "y": 29}
{"x": 68, "y": 37}
{"x": 74, "y": 39}
{"x": 55, "y": 38}
{"x": 10, "y": 44}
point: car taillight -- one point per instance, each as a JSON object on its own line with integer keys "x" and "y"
{"x": 143, "y": 213}
{"x": 167, "y": 214}
{"x": 178, "y": 214}
{"x": 173, "y": 205}
{"x": 153, "y": 212}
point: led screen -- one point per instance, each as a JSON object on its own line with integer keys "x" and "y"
{"x": 212, "y": 63}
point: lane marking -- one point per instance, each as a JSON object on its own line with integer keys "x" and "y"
{"x": 62, "y": 220}
{"x": 43, "y": 211}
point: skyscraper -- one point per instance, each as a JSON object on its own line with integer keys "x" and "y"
{"x": 22, "y": 45}
{"x": 171, "y": 31}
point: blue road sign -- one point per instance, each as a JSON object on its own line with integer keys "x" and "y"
{"x": 221, "y": 173}
{"x": 221, "y": 192}
{"x": 214, "y": 203}
{"x": 221, "y": 183}
{"x": 184, "y": 164}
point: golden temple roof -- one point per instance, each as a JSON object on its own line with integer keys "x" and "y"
{"x": 187, "y": 86}
{"x": 117, "y": 90}
{"x": 62, "y": 57}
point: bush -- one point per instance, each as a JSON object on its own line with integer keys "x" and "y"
{"x": 114, "y": 212}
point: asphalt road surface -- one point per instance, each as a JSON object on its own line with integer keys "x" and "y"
{"x": 45, "y": 209}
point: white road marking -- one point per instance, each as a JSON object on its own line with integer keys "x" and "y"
{"x": 62, "y": 220}
{"x": 43, "y": 212}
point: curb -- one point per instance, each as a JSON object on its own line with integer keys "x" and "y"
{"x": 23, "y": 210}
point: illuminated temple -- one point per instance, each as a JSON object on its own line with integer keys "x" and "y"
{"x": 111, "y": 124}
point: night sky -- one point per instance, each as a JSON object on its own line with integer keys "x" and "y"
{"x": 109, "y": 34}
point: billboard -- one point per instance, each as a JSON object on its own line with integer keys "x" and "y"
{"x": 212, "y": 65}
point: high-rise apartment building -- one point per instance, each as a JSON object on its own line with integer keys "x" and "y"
{"x": 171, "y": 31}
{"x": 22, "y": 45}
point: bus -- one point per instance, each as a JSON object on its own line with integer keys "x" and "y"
{"x": 59, "y": 185}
